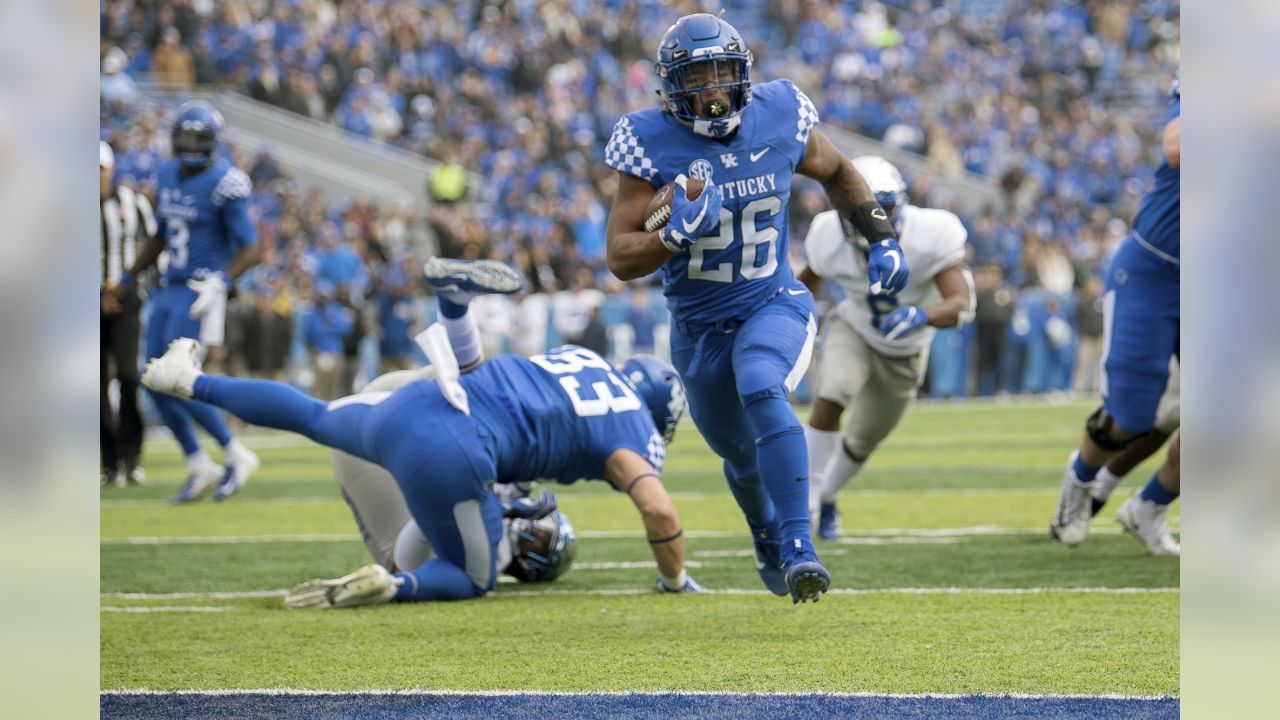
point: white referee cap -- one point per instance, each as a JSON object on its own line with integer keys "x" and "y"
{"x": 106, "y": 157}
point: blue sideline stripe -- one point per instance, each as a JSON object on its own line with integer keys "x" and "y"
{"x": 662, "y": 706}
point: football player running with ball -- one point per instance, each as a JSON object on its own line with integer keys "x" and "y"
{"x": 743, "y": 326}
{"x": 1141, "y": 332}
{"x": 875, "y": 349}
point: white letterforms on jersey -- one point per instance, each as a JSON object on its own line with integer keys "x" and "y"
{"x": 932, "y": 241}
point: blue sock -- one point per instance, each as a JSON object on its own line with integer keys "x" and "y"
{"x": 1084, "y": 473}
{"x": 436, "y": 579}
{"x": 755, "y": 503}
{"x": 175, "y": 414}
{"x": 783, "y": 462}
{"x": 449, "y": 308}
{"x": 1157, "y": 493}
{"x": 276, "y": 405}
{"x": 211, "y": 420}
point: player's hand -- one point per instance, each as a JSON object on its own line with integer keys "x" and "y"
{"x": 531, "y": 508}
{"x": 887, "y": 268}
{"x": 902, "y": 321}
{"x": 109, "y": 304}
{"x": 211, "y": 290}
{"x": 691, "y": 219}
{"x": 690, "y": 586}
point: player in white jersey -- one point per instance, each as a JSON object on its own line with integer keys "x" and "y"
{"x": 875, "y": 348}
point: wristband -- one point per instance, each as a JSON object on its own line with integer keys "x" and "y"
{"x": 872, "y": 222}
{"x": 669, "y": 538}
{"x": 637, "y": 479}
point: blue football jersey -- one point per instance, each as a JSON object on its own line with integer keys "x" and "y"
{"x": 730, "y": 274}
{"x": 204, "y": 218}
{"x": 559, "y": 416}
{"x": 1159, "y": 220}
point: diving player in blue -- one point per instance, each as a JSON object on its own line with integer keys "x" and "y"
{"x": 1141, "y": 332}
{"x": 743, "y": 327}
{"x": 561, "y": 416}
{"x": 204, "y": 225}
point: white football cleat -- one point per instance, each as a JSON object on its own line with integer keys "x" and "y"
{"x": 199, "y": 481}
{"x": 1070, "y": 525}
{"x": 459, "y": 281}
{"x": 1145, "y": 521}
{"x": 240, "y": 465}
{"x": 175, "y": 372}
{"x": 370, "y": 585}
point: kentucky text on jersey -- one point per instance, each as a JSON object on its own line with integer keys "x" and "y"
{"x": 729, "y": 274}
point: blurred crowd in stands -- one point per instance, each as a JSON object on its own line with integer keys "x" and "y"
{"x": 1059, "y": 102}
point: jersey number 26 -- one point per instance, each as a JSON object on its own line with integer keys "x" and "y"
{"x": 752, "y": 240}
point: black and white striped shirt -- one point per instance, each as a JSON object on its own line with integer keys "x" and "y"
{"x": 127, "y": 222}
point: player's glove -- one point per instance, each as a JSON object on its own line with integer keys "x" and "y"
{"x": 531, "y": 508}
{"x": 691, "y": 219}
{"x": 887, "y": 268}
{"x": 690, "y": 586}
{"x": 211, "y": 291}
{"x": 902, "y": 321}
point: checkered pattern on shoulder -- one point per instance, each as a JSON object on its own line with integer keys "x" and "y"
{"x": 808, "y": 115}
{"x": 625, "y": 154}
{"x": 235, "y": 185}
{"x": 656, "y": 452}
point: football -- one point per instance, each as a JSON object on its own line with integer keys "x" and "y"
{"x": 659, "y": 210}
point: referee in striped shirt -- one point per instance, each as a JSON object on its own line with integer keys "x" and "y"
{"x": 127, "y": 226}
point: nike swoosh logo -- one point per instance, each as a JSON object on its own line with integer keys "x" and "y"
{"x": 757, "y": 156}
{"x": 796, "y": 292}
{"x": 690, "y": 227}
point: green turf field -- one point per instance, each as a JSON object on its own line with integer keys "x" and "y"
{"x": 946, "y": 581}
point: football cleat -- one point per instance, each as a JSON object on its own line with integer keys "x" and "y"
{"x": 370, "y": 585}
{"x": 1070, "y": 525}
{"x": 197, "y": 483}
{"x": 136, "y": 476}
{"x": 1145, "y": 521}
{"x": 239, "y": 468}
{"x": 460, "y": 281}
{"x": 175, "y": 372}
{"x": 807, "y": 579}
{"x": 828, "y": 521}
{"x": 769, "y": 562}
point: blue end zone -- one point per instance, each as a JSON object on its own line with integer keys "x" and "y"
{"x": 659, "y": 706}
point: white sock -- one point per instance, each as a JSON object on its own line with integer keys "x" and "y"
{"x": 199, "y": 461}
{"x": 821, "y": 444}
{"x": 839, "y": 472}
{"x": 464, "y": 338}
{"x": 234, "y": 450}
{"x": 1104, "y": 483}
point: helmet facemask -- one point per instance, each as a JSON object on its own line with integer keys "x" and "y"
{"x": 543, "y": 549}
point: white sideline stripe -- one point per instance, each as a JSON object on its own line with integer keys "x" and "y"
{"x": 168, "y": 608}
{"x": 894, "y": 536}
{"x": 636, "y": 693}
{"x": 717, "y": 591}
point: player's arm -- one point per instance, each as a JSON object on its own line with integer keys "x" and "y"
{"x": 1173, "y": 142}
{"x": 154, "y": 230}
{"x": 241, "y": 233}
{"x": 630, "y": 473}
{"x": 852, "y": 198}
{"x": 630, "y": 251}
{"x": 956, "y": 307}
{"x": 811, "y": 279}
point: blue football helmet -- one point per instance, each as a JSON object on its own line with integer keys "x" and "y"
{"x": 661, "y": 389}
{"x": 543, "y": 549}
{"x": 708, "y": 51}
{"x": 196, "y": 131}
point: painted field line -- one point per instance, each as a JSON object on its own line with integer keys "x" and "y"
{"x": 627, "y": 565}
{"x": 163, "y": 502}
{"x": 893, "y": 536}
{"x": 633, "y": 693}
{"x": 166, "y": 608}
{"x": 717, "y": 591}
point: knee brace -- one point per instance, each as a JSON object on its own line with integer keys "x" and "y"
{"x": 1099, "y": 426}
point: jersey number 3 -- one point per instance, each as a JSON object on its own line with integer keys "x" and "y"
{"x": 572, "y": 361}
{"x": 753, "y": 241}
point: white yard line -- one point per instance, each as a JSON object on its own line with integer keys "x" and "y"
{"x": 166, "y": 608}
{"x": 715, "y": 591}
{"x": 631, "y": 693}
{"x": 881, "y": 536}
